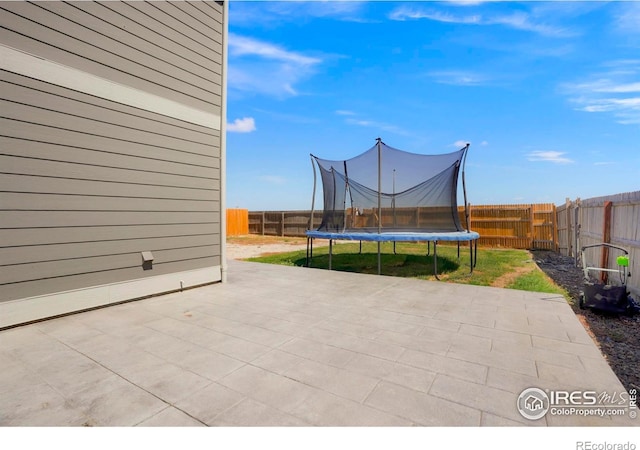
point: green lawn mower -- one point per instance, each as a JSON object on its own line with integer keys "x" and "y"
{"x": 611, "y": 296}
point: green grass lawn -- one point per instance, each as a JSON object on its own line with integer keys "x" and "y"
{"x": 495, "y": 267}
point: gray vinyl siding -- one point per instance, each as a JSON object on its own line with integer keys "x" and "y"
{"x": 87, "y": 183}
{"x": 157, "y": 59}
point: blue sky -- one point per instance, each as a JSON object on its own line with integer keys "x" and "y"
{"x": 547, "y": 93}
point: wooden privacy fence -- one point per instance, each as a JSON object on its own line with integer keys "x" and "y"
{"x": 510, "y": 226}
{"x": 525, "y": 226}
{"x": 282, "y": 223}
{"x": 237, "y": 222}
{"x": 613, "y": 219}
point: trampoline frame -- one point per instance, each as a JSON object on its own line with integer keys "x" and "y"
{"x": 460, "y": 236}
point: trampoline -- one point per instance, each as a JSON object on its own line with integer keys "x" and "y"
{"x": 389, "y": 195}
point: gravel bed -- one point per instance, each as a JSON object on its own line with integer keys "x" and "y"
{"x": 617, "y": 336}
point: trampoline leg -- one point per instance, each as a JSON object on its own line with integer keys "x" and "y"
{"x": 458, "y": 250}
{"x": 307, "y": 263}
{"x": 473, "y": 255}
{"x": 428, "y": 248}
{"x": 379, "y": 264}
{"x": 361, "y": 247}
{"x": 435, "y": 260}
{"x": 394, "y": 248}
{"x": 330, "y": 252}
{"x": 475, "y": 252}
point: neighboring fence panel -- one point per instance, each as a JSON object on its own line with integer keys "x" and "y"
{"x": 622, "y": 229}
{"x": 237, "y": 222}
{"x": 510, "y": 226}
{"x": 282, "y": 223}
{"x": 567, "y": 224}
{"x": 515, "y": 226}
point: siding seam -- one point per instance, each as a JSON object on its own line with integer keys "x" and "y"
{"x": 104, "y": 167}
{"x": 32, "y": 66}
{"x": 107, "y": 151}
{"x": 110, "y": 137}
{"x": 103, "y": 270}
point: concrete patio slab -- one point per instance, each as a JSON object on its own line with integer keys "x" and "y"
{"x": 288, "y": 346}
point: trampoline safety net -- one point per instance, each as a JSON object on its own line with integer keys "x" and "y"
{"x": 386, "y": 190}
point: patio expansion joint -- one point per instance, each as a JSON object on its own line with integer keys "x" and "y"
{"x": 335, "y": 346}
{"x": 233, "y": 405}
{"x": 256, "y": 399}
{"x": 479, "y": 408}
{"x": 368, "y": 405}
{"x": 361, "y": 402}
{"x": 227, "y": 334}
{"x": 436, "y": 372}
{"x": 364, "y": 400}
{"x": 250, "y": 311}
{"x": 177, "y": 408}
{"x": 168, "y": 404}
{"x": 429, "y": 394}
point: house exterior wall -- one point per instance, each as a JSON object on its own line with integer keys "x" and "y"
{"x": 111, "y": 124}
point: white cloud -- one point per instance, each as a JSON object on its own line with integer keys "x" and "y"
{"x": 522, "y": 21}
{"x": 484, "y": 143}
{"x": 262, "y": 67}
{"x": 380, "y": 125}
{"x": 458, "y": 77}
{"x": 344, "y": 112}
{"x": 613, "y": 104}
{"x": 280, "y": 116}
{"x": 549, "y": 156}
{"x": 270, "y": 14}
{"x": 628, "y": 18}
{"x": 460, "y": 143}
{"x": 242, "y": 45}
{"x": 615, "y": 90}
{"x": 464, "y": 2}
{"x": 518, "y": 20}
{"x": 244, "y": 125}
{"x": 273, "y": 179}
{"x": 411, "y": 13}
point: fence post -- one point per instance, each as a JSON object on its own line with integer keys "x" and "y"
{"x": 282, "y": 224}
{"x": 567, "y": 204}
{"x": 262, "y": 221}
{"x": 532, "y": 229}
{"x": 576, "y": 229}
{"x": 554, "y": 225}
{"x": 606, "y": 238}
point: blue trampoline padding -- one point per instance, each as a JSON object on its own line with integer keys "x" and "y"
{"x": 386, "y": 237}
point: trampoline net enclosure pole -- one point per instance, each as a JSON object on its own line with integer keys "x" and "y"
{"x": 313, "y": 195}
{"x": 464, "y": 187}
{"x": 379, "y": 199}
{"x": 313, "y": 204}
